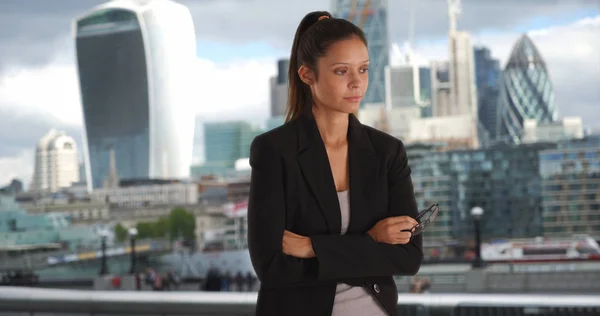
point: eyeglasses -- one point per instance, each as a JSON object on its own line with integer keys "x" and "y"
{"x": 424, "y": 218}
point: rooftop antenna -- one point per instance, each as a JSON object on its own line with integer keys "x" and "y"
{"x": 453, "y": 13}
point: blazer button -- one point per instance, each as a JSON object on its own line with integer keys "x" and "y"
{"x": 376, "y": 288}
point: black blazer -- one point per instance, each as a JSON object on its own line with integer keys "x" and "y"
{"x": 292, "y": 188}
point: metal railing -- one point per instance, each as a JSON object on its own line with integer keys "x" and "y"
{"x": 35, "y": 300}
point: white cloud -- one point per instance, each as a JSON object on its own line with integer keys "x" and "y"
{"x": 51, "y": 90}
{"x": 238, "y": 90}
{"x": 20, "y": 167}
{"x": 572, "y": 55}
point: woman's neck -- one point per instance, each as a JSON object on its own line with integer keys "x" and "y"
{"x": 333, "y": 126}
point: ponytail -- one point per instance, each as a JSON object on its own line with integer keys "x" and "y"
{"x": 299, "y": 95}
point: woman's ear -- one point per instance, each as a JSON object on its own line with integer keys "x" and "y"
{"x": 306, "y": 75}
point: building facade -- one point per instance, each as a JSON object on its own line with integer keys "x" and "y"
{"x": 148, "y": 195}
{"x": 564, "y": 129}
{"x": 14, "y": 187}
{"x": 19, "y": 228}
{"x": 56, "y": 162}
{"x": 225, "y": 143}
{"x": 463, "y": 93}
{"x": 456, "y": 131}
{"x": 440, "y": 88}
{"x": 487, "y": 79}
{"x": 503, "y": 180}
{"x": 134, "y": 60}
{"x": 571, "y": 187}
{"x": 407, "y": 86}
{"x": 526, "y": 92}
{"x": 372, "y": 17}
{"x": 79, "y": 212}
{"x": 279, "y": 89}
{"x": 274, "y": 122}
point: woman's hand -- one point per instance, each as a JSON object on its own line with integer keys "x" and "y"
{"x": 297, "y": 245}
{"x": 390, "y": 230}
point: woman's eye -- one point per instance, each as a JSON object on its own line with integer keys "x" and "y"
{"x": 340, "y": 72}
{"x": 364, "y": 70}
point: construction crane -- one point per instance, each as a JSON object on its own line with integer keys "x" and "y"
{"x": 365, "y": 12}
{"x": 411, "y": 32}
{"x": 352, "y": 10}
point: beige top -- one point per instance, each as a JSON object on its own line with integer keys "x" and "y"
{"x": 353, "y": 300}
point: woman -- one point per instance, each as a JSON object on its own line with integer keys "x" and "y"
{"x": 331, "y": 200}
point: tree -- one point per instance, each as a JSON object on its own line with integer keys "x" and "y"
{"x": 145, "y": 230}
{"x": 182, "y": 224}
{"x": 120, "y": 233}
{"x": 162, "y": 227}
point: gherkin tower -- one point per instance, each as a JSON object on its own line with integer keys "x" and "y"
{"x": 526, "y": 92}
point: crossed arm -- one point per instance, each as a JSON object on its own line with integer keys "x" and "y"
{"x": 335, "y": 256}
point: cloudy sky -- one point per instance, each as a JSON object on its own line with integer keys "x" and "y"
{"x": 239, "y": 42}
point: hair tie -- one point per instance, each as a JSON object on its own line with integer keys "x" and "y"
{"x": 323, "y": 17}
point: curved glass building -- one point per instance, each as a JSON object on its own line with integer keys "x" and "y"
{"x": 133, "y": 60}
{"x": 526, "y": 92}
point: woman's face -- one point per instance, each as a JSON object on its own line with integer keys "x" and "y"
{"x": 343, "y": 76}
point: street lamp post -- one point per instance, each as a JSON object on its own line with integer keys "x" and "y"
{"x": 476, "y": 213}
{"x": 103, "y": 266}
{"x": 132, "y": 234}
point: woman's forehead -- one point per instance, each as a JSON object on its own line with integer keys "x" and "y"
{"x": 350, "y": 51}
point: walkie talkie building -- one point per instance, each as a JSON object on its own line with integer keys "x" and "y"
{"x": 133, "y": 60}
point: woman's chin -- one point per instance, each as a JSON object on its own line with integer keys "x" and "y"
{"x": 352, "y": 108}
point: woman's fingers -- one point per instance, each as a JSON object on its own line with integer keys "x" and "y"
{"x": 400, "y": 237}
{"x": 402, "y": 219}
{"x": 403, "y": 237}
{"x": 400, "y": 226}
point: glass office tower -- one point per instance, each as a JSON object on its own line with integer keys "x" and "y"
{"x": 133, "y": 61}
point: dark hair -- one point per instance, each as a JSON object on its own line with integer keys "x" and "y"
{"x": 313, "y": 38}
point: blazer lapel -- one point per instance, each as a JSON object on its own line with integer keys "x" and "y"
{"x": 363, "y": 165}
{"x": 314, "y": 164}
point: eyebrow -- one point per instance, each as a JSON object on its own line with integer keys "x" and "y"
{"x": 340, "y": 63}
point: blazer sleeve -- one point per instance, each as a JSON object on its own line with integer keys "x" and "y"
{"x": 346, "y": 256}
{"x": 266, "y": 222}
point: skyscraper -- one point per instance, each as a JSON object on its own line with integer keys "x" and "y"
{"x": 133, "y": 60}
{"x": 372, "y": 17}
{"x": 408, "y": 86}
{"x": 225, "y": 143}
{"x": 56, "y": 162}
{"x": 440, "y": 88}
{"x": 571, "y": 187}
{"x": 228, "y": 141}
{"x": 526, "y": 92}
{"x": 463, "y": 98}
{"x": 279, "y": 88}
{"x": 487, "y": 77}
